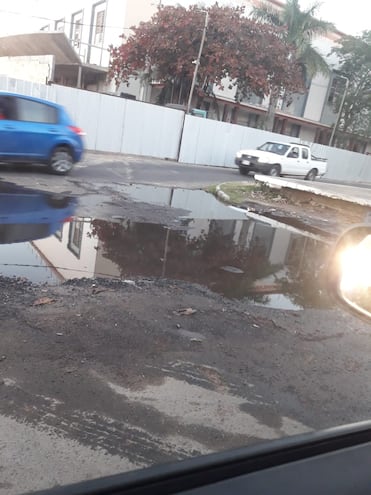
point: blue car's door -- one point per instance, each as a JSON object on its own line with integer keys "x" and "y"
{"x": 37, "y": 129}
{"x": 8, "y": 127}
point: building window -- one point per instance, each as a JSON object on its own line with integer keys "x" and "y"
{"x": 99, "y": 26}
{"x": 75, "y": 238}
{"x": 59, "y": 25}
{"x": 76, "y": 28}
{"x": 337, "y": 88}
{"x": 295, "y": 130}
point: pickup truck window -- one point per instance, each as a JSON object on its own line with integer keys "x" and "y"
{"x": 304, "y": 153}
{"x": 279, "y": 149}
{"x": 294, "y": 153}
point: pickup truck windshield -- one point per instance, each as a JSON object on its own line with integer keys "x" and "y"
{"x": 279, "y": 149}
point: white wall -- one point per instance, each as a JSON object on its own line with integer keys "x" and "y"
{"x": 343, "y": 164}
{"x": 307, "y": 134}
{"x": 316, "y": 97}
{"x": 35, "y": 69}
{"x": 27, "y": 87}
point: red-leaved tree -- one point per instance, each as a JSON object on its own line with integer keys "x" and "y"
{"x": 252, "y": 56}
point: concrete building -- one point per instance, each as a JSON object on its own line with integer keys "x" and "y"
{"x": 92, "y": 27}
{"x": 78, "y": 40}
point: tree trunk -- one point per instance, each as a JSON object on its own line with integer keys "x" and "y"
{"x": 271, "y": 112}
{"x": 216, "y": 107}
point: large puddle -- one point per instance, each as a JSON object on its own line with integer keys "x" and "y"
{"x": 232, "y": 254}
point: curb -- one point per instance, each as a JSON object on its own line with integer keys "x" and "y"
{"x": 340, "y": 192}
{"x": 221, "y": 194}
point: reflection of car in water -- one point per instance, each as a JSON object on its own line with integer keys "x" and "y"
{"x": 29, "y": 214}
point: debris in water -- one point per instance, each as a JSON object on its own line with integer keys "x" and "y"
{"x": 186, "y": 311}
{"x": 43, "y": 300}
{"x": 232, "y": 269}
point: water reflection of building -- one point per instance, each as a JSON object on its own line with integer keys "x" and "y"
{"x": 268, "y": 258}
{"x": 71, "y": 251}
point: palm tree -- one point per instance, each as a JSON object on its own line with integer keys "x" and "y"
{"x": 300, "y": 27}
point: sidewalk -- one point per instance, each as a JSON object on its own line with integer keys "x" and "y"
{"x": 352, "y": 194}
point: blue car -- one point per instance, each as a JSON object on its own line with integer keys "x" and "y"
{"x": 38, "y": 131}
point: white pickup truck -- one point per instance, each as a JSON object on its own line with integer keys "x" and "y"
{"x": 275, "y": 158}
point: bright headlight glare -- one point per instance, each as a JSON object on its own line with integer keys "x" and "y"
{"x": 355, "y": 265}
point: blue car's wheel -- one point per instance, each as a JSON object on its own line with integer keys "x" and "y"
{"x": 61, "y": 161}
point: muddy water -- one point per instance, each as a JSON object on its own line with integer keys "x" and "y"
{"x": 225, "y": 250}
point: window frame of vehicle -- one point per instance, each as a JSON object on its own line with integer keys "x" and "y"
{"x": 293, "y": 150}
{"x": 305, "y": 153}
{"x": 8, "y": 107}
{"x": 21, "y": 105}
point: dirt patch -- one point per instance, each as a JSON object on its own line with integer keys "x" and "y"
{"x": 304, "y": 210}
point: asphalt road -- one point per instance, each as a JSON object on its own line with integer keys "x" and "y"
{"x": 120, "y": 169}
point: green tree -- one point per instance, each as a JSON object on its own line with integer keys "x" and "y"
{"x": 355, "y": 64}
{"x": 299, "y": 29}
{"x": 251, "y": 56}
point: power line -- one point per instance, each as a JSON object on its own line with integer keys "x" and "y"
{"x": 41, "y": 18}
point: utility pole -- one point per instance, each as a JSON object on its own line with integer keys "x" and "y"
{"x": 340, "y": 110}
{"x": 197, "y": 63}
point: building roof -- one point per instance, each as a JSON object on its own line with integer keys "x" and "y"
{"x": 42, "y": 43}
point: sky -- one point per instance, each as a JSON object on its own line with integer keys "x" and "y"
{"x": 351, "y": 17}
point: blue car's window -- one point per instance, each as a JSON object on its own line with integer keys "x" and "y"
{"x": 7, "y": 109}
{"x": 33, "y": 111}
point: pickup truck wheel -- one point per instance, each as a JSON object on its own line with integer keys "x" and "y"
{"x": 312, "y": 174}
{"x": 243, "y": 171}
{"x": 275, "y": 171}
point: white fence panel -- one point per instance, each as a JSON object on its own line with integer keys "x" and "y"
{"x": 68, "y": 97}
{"x": 87, "y": 116}
{"x": 37, "y": 90}
{"x": 110, "y": 124}
{"x": 210, "y": 142}
{"x": 151, "y": 130}
{"x": 344, "y": 164}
